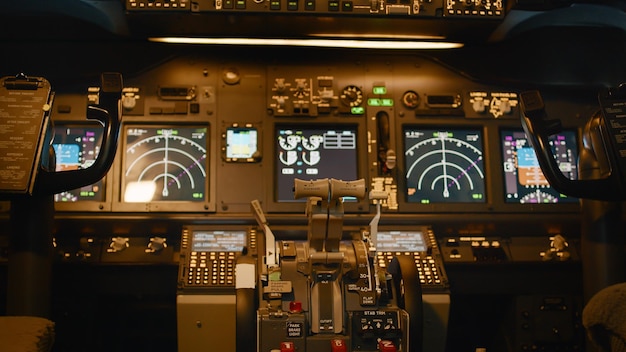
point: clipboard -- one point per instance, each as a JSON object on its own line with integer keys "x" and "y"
{"x": 25, "y": 105}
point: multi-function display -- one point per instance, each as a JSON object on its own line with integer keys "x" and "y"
{"x": 523, "y": 179}
{"x": 313, "y": 153}
{"x": 77, "y": 147}
{"x": 444, "y": 166}
{"x": 166, "y": 163}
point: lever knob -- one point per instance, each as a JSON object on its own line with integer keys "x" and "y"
{"x": 118, "y": 244}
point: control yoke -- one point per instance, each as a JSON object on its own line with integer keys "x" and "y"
{"x": 602, "y": 164}
{"x": 28, "y": 179}
{"x": 109, "y": 113}
{"x": 28, "y": 167}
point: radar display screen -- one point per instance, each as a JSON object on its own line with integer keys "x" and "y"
{"x": 400, "y": 241}
{"x": 313, "y": 153}
{"x": 444, "y": 166}
{"x": 77, "y": 147}
{"x": 163, "y": 164}
{"x": 218, "y": 241}
{"x": 524, "y": 181}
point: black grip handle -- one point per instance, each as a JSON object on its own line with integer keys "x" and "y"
{"x": 246, "y": 308}
{"x": 538, "y": 129}
{"x": 408, "y": 290}
{"x": 108, "y": 112}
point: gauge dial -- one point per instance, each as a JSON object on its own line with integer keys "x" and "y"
{"x": 538, "y": 197}
{"x": 444, "y": 166}
{"x": 289, "y": 142}
{"x": 165, "y": 164}
{"x": 313, "y": 142}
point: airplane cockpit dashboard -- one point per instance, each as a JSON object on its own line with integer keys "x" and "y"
{"x": 315, "y": 175}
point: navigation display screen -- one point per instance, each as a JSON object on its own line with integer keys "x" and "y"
{"x": 314, "y": 153}
{"x": 523, "y": 178}
{"x": 400, "y": 241}
{"x": 218, "y": 241}
{"x": 77, "y": 147}
{"x": 444, "y": 166}
{"x": 166, "y": 163}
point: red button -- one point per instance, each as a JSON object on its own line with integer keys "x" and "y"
{"x": 287, "y": 347}
{"x": 338, "y": 345}
{"x": 386, "y": 346}
{"x": 295, "y": 307}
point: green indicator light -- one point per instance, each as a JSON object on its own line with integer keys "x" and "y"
{"x": 425, "y": 201}
{"x": 197, "y": 195}
{"x": 374, "y": 102}
{"x": 380, "y": 90}
{"x": 387, "y": 102}
{"x": 477, "y": 196}
{"x": 357, "y": 110}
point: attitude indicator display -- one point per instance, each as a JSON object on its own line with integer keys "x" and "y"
{"x": 523, "y": 178}
{"x": 444, "y": 166}
{"x": 165, "y": 164}
{"x": 77, "y": 147}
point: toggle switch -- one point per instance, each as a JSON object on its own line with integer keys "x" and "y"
{"x": 287, "y": 346}
{"x": 338, "y": 345}
{"x": 386, "y": 346}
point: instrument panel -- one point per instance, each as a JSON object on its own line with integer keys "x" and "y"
{"x": 201, "y": 135}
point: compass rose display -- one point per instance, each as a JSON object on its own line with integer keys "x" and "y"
{"x": 444, "y": 166}
{"x": 165, "y": 164}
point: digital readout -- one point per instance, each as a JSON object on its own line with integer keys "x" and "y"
{"x": 218, "y": 241}
{"x": 400, "y": 241}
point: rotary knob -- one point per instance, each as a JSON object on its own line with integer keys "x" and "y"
{"x": 410, "y": 99}
{"x": 156, "y": 244}
{"x": 129, "y": 102}
{"x": 479, "y": 105}
{"x": 279, "y": 85}
{"x": 118, "y": 244}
